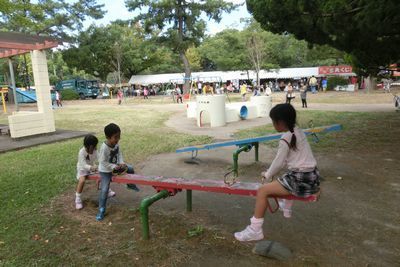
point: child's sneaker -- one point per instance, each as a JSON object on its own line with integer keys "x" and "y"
{"x": 78, "y": 203}
{"x": 133, "y": 187}
{"x": 249, "y": 234}
{"x": 100, "y": 215}
{"x": 111, "y": 193}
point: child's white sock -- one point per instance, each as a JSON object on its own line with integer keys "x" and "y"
{"x": 287, "y": 208}
{"x": 78, "y": 195}
{"x": 256, "y": 223}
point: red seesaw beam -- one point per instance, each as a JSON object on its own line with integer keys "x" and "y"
{"x": 174, "y": 184}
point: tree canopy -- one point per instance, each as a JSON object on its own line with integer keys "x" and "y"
{"x": 179, "y": 22}
{"x": 98, "y": 48}
{"x": 229, "y": 50}
{"x": 366, "y": 29}
{"x": 56, "y": 18}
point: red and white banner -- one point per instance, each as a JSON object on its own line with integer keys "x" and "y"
{"x": 332, "y": 70}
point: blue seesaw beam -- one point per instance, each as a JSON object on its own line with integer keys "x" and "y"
{"x": 322, "y": 129}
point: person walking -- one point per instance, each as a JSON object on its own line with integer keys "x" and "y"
{"x": 289, "y": 93}
{"x": 303, "y": 95}
{"x": 313, "y": 84}
{"x": 58, "y": 99}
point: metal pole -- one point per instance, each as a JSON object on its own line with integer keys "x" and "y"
{"x": 188, "y": 200}
{"x": 245, "y": 148}
{"x": 256, "y": 149}
{"x": 13, "y": 83}
{"x": 144, "y": 210}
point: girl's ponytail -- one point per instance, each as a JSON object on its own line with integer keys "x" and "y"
{"x": 293, "y": 140}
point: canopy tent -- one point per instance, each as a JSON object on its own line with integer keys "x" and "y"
{"x": 223, "y": 76}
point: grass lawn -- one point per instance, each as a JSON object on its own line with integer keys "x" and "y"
{"x": 32, "y": 177}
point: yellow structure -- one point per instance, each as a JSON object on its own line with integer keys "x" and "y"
{"x": 3, "y": 100}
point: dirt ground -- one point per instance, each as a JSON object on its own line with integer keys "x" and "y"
{"x": 356, "y": 222}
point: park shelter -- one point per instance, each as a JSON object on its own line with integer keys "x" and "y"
{"x": 26, "y": 123}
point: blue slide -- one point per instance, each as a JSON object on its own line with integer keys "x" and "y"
{"x": 29, "y": 96}
{"x": 26, "y": 96}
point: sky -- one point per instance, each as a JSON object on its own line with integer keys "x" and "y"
{"x": 116, "y": 10}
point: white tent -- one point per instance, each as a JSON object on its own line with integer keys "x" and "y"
{"x": 223, "y": 76}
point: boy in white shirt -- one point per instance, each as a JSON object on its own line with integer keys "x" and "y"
{"x": 111, "y": 161}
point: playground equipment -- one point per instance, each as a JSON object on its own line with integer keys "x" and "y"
{"x": 3, "y": 92}
{"x": 26, "y": 96}
{"x": 166, "y": 187}
{"x": 213, "y": 110}
{"x": 247, "y": 144}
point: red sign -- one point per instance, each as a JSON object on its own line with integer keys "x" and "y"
{"x": 332, "y": 70}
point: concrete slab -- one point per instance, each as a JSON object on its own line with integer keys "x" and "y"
{"x": 9, "y": 144}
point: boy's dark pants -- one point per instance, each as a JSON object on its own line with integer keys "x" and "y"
{"x": 105, "y": 186}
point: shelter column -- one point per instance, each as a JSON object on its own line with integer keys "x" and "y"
{"x": 42, "y": 85}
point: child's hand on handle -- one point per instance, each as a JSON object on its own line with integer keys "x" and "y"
{"x": 93, "y": 168}
{"x": 264, "y": 178}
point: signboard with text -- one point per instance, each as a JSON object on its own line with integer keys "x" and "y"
{"x": 333, "y": 70}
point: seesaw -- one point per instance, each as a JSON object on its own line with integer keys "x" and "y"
{"x": 245, "y": 145}
{"x": 168, "y": 186}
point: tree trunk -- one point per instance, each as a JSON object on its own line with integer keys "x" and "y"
{"x": 26, "y": 78}
{"x": 188, "y": 72}
{"x": 182, "y": 52}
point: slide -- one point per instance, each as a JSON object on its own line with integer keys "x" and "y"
{"x": 26, "y": 96}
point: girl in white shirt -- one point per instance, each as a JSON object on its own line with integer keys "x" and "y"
{"x": 302, "y": 178}
{"x": 87, "y": 159}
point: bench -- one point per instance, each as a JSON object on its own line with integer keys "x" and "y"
{"x": 248, "y": 143}
{"x": 5, "y": 130}
{"x": 170, "y": 186}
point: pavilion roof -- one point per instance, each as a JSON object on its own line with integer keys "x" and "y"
{"x": 12, "y": 43}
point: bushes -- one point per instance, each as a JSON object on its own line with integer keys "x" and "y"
{"x": 335, "y": 81}
{"x": 69, "y": 94}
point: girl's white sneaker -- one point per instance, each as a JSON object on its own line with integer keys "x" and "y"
{"x": 78, "y": 203}
{"x": 249, "y": 234}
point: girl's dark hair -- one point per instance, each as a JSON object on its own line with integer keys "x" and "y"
{"x": 287, "y": 114}
{"x": 90, "y": 140}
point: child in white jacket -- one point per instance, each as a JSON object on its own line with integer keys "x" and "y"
{"x": 87, "y": 159}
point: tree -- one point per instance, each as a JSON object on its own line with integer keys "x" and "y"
{"x": 179, "y": 22}
{"x": 121, "y": 45}
{"x": 368, "y": 30}
{"x": 224, "y": 51}
{"x": 260, "y": 47}
{"x": 56, "y": 18}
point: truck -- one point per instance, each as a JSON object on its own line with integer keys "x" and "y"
{"x": 84, "y": 88}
